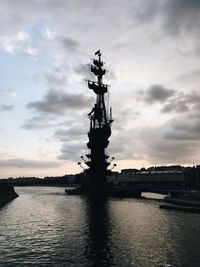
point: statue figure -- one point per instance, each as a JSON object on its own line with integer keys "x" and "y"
{"x": 97, "y": 115}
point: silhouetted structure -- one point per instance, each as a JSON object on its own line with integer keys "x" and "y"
{"x": 7, "y": 193}
{"x": 100, "y": 130}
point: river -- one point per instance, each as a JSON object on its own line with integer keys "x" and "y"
{"x": 46, "y": 227}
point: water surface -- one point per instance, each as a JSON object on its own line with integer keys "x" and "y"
{"x": 45, "y": 227}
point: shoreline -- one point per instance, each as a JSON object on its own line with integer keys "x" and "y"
{"x": 188, "y": 204}
{"x": 7, "y": 194}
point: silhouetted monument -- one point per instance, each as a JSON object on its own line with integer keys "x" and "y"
{"x": 100, "y": 130}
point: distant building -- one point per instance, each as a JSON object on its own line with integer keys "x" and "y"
{"x": 151, "y": 177}
{"x": 129, "y": 171}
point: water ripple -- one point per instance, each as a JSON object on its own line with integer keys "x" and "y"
{"x": 45, "y": 227}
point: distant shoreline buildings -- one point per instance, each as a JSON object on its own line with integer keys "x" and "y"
{"x": 158, "y": 175}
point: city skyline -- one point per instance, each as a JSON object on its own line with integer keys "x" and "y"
{"x": 151, "y": 49}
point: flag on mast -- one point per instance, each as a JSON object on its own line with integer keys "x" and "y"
{"x": 97, "y": 52}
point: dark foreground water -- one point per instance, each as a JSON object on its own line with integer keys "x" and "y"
{"x": 45, "y": 227}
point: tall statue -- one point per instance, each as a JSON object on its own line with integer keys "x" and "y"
{"x": 100, "y": 130}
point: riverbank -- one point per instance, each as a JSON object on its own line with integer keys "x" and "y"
{"x": 7, "y": 193}
{"x": 189, "y": 203}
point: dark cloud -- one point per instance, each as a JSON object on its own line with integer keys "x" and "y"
{"x": 172, "y": 152}
{"x": 83, "y": 70}
{"x": 6, "y": 107}
{"x": 157, "y": 93}
{"x": 58, "y": 102}
{"x": 168, "y": 143}
{"x": 72, "y": 151}
{"x": 183, "y": 128}
{"x": 126, "y": 145}
{"x": 174, "y": 17}
{"x": 145, "y": 11}
{"x": 182, "y": 103}
{"x": 170, "y": 99}
{"x": 73, "y": 138}
{"x": 39, "y": 123}
{"x": 123, "y": 116}
{"x": 23, "y": 163}
{"x": 182, "y": 16}
{"x": 75, "y": 132}
{"x": 189, "y": 77}
{"x": 68, "y": 43}
{"x": 176, "y": 106}
{"x": 177, "y": 141}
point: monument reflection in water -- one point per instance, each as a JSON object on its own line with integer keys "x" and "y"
{"x": 98, "y": 249}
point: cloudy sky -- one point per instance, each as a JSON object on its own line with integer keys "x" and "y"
{"x": 152, "y": 51}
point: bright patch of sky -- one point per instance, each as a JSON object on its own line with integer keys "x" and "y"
{"x": 152, "y": 54}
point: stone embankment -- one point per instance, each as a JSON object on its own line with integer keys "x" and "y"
{"x": 7, "y": 193}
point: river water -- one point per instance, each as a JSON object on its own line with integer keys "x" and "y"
{"x": 45, "y": 227}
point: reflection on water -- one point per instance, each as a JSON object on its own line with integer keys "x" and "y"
{"x": 45, "y": 227}
{"x": 98, "y": 250}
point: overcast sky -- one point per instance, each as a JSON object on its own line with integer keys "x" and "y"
{"x": 152, "y": 51}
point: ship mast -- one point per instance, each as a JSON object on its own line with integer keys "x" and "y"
{"x": 100, "y": 129}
